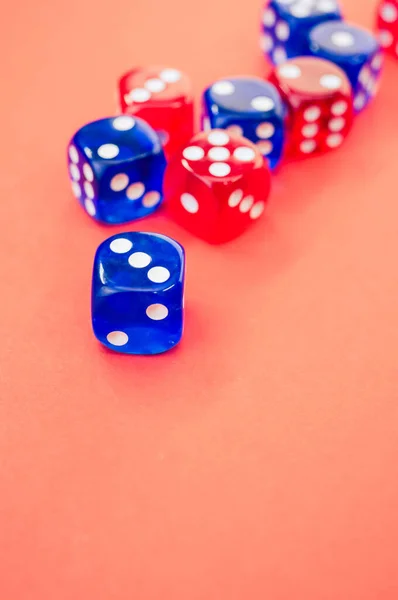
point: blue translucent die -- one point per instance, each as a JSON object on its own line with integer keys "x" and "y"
{"x": 356, "y": 51}
{"x": 116, "y": 166}
{"x": 287, "y": 23}
{"x": 250, "y": 107}
{"x": 137, "y": 293}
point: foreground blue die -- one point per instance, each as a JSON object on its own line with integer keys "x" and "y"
{"x": 353, "y": 49}
{"x": 137, "y": 293}
{"x": 116, "y": 166}
{"x": 250, "y": 107}
{"x": 287, "y": 23}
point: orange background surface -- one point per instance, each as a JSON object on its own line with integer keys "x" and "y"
{"x": 257, "y": 461}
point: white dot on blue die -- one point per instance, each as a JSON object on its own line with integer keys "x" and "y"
{"x": 108, "y": 151}
{"x": 120, "y": 245}
{"x": 158, "y": 274}
{"x": 262, "y": 103}
{"x": 73, "y": 154}
{"x": 157, "y": 312}
{"x": 223, "y": 88}
{"x": 117, "y": 338}
{"x": 139, "y": 260}
{"x": 123, "y": 123}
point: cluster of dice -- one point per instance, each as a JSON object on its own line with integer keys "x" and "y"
{"x": 217, "y": 182}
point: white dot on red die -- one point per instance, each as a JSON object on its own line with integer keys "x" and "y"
{"x": 73, "y": 154}
{"x": 282, "y": 31}
{"x": 219, "y": 169}
{"x": 90, "y": 207}
{"x": 336, "y": 124}
{"x": 265, "y": 147}
{"x": 289, "y": 71}
{"x": 342, "y": 39}
{"x": 119, "y": 182}
{"x": 235, "y": 198}
{"x": 123, "y": 123}
{"x": 157, "y": 312}
{"x": 140, "y": 95}
{"x": 386, "y": 38}
{"x": 158, "y": 274}
{"x": 88, "y": 172}
{"x": 339, "y": 108}
{"x": 310, "y": 130}
{"x": 117, "y": 338}
{"x": 139, "y": 260}
{"x": 257, "y": 210}
{"x": 170, "y": 75}
{"x": 219, "y": 154}
{"x": 244, "y": 154}
{"x": 269, "y": 17}
{"x": 151, "y": 199}
{"x": 312, "y": 113}
{"x": 120, "y": 245}
{"x": 246, "y": 204}
{"x": 190, "y": 203}
{"x": 89, "y": 190}
{"x": 135, "y": 191}
{"x": 265, "y": 130}
{"x": 108, "y": 151}
{"x": 334, "y": 140}
{"x": 389, "y": 12}
{"x": 193, "y": 153}
{"x": 262, "y": 103}
{"x": 74, "y": 171}
{"x": 223, "y": 88}
{"x": 155, "y": 85}
{"x": 330, "y": 81}
{"x": 235, "y": 130}
{"x": 218, "y": 138}
{"x": 308, "y": 146}
{"x": 76, "y": 189}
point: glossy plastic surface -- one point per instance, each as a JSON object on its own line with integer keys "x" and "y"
{"x": 320, "y": 104}
{"x": 137, "y": 293}
{"x": 353, "y": 49}
{"x": 116, "y": 166}
{"x": 287, "y": 23}
{"x": 217, "y": 186}
{"x": 387, "y": 26}
{"x": 162, "y": 96}
{"x": 250, "y": 107}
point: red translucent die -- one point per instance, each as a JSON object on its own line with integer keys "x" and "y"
{"x": 387, "y": 26}
{"x": 217, "y": 186}
{"x": 163, "y": 97}
{"x": 319, "y": 100}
